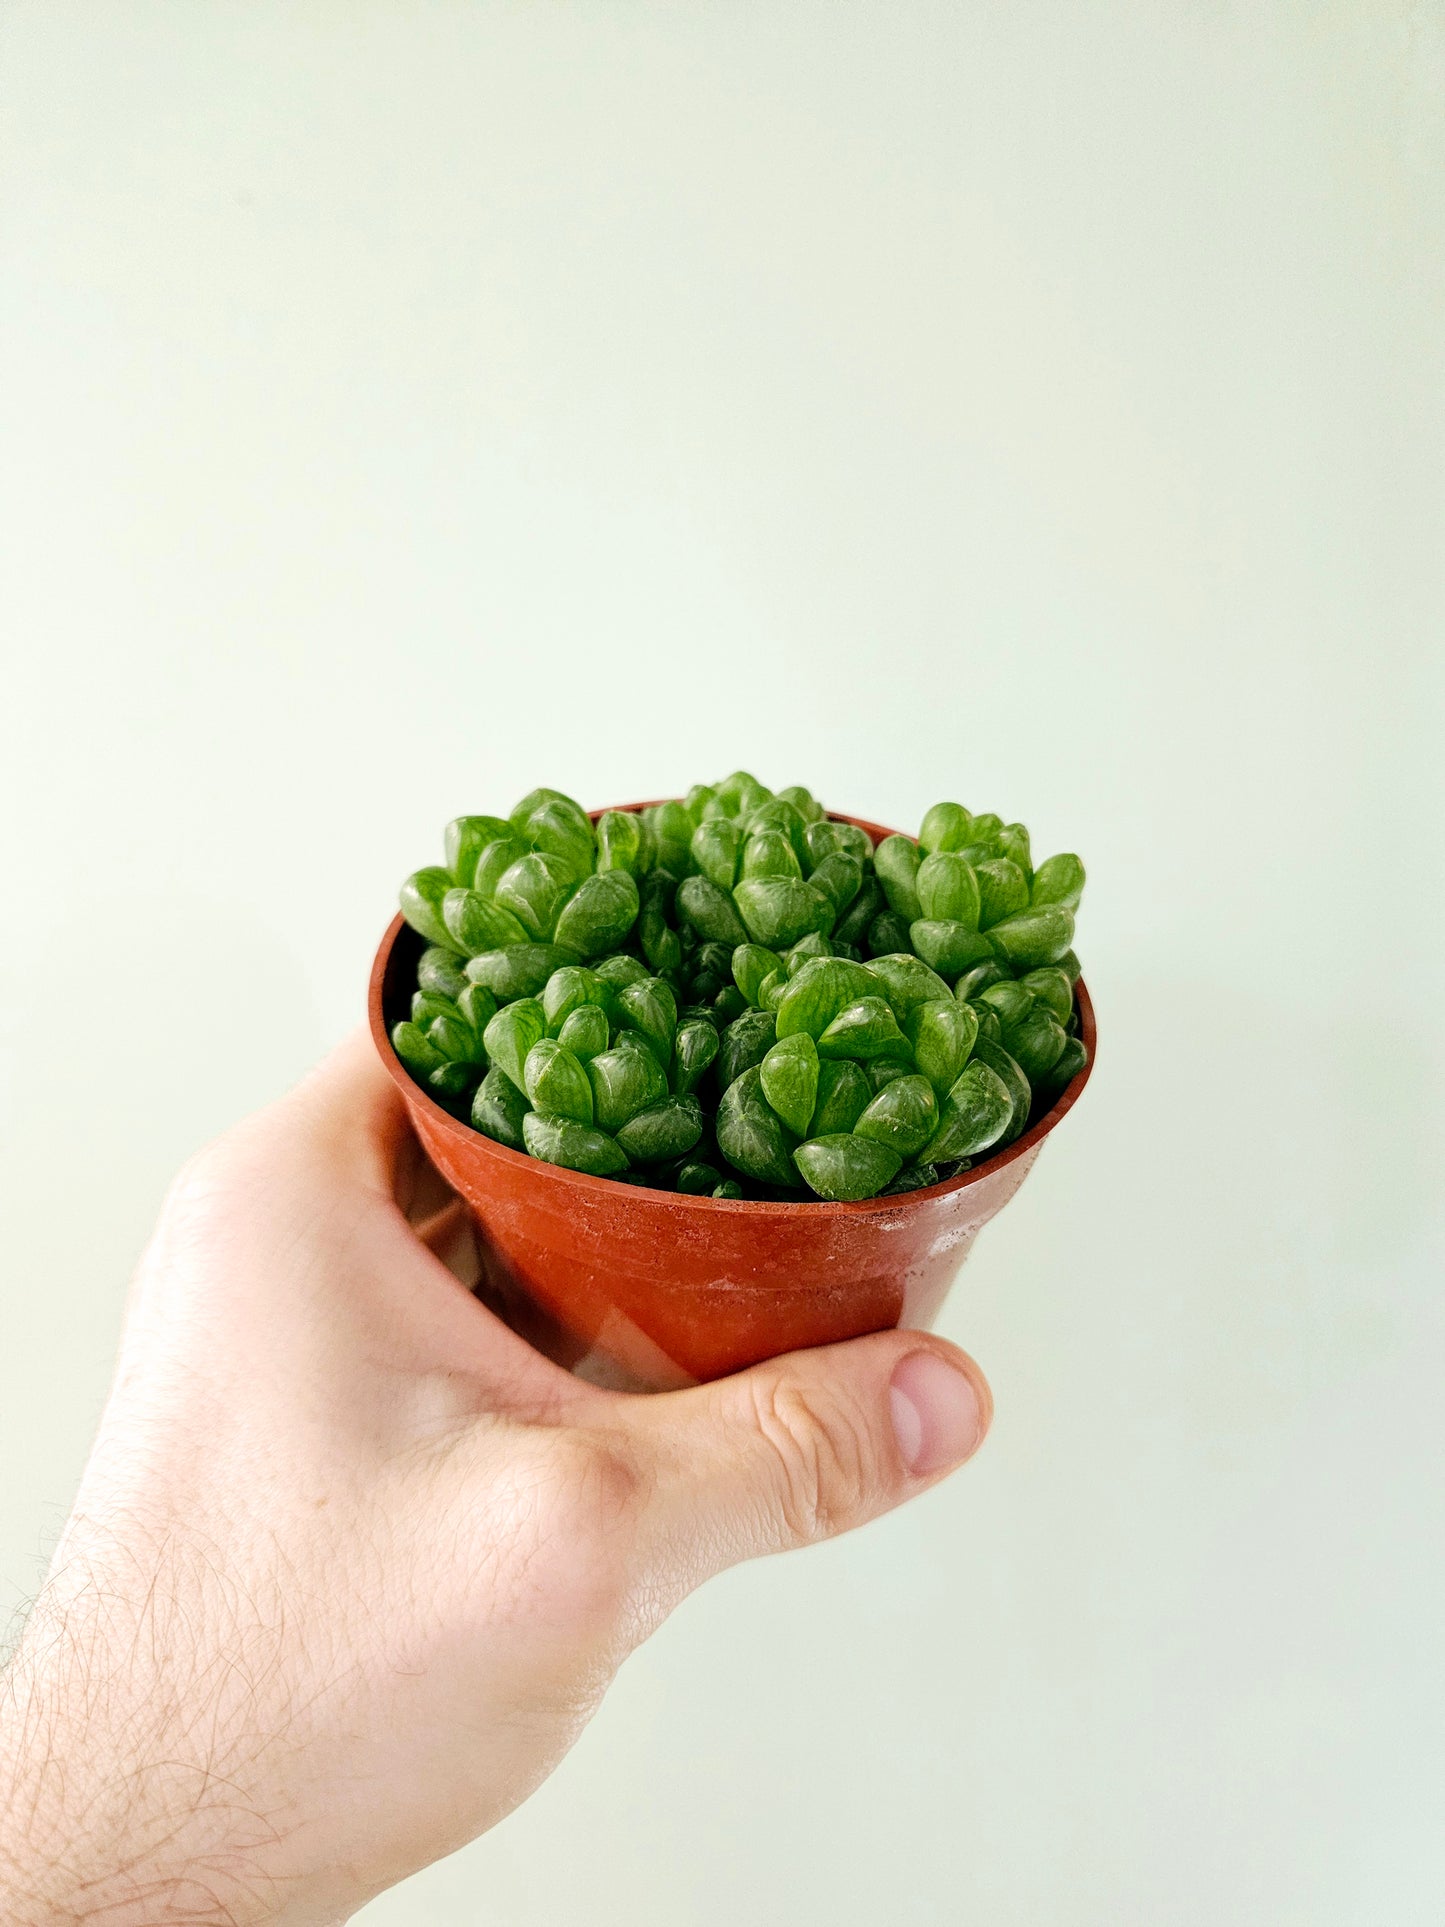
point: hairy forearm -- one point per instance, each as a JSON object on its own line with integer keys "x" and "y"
{"x": 125, "y": 1761}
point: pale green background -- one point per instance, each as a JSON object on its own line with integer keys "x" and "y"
{"x": 1034, "y": 403}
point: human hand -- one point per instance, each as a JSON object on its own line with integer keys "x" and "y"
{"x": 351, "y": 1564}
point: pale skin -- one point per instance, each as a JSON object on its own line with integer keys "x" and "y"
{"x": 351, "y": 1565}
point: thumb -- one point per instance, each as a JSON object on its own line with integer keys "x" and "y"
{"x": 803, "y": 1447}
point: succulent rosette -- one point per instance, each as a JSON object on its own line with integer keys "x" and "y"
{"x": 734, "y": 995}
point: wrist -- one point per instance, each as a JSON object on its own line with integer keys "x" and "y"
{"x": 116, "y": 1811}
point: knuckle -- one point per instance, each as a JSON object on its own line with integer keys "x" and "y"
{"x": 607, "y": 1482}
{"x": 227, "y": 1172}
{"x": 195, "y": 1186}
{"x": 592, "y": 1501}
{"x": 205, "y": 1183}
{"x": 823, "y": 1457}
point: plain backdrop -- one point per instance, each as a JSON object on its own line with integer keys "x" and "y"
{"x": 1039, "y": 404}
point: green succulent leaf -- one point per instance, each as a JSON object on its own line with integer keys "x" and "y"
{"x": 698, "y": 1180}
{"x": 1060, "y": 879}
{"x": 823, "y": 988}
{"x": 426, "y": 1005}
{"x": 421, "y": 899}
{"x": 752, "y": 965}
{"x": 510, "y": 1036}
{"x": 897, "y": 861}
{"x": 988, "y": 1024}
{"x": 771, "y": 993}
{"x": 789, "y": 1077}
{"x": 805, "y": 950}
{"x": 1013, "y": 842}
{"x": 903, "y": 1115}
{"x": 557, "y": 833}
{"x": 498, "y": 1109}
{"x": 769, "y": 853}
{"x": 667, "y": 1129}
{"x": 887, "y": 935}
{"x": 740, "y": 794}
{"x": 716, "y": 959}
{"x": 852, "y": 926}
{"x": 974, "y": 1115}
{"x": 978, "y": 978}
{"x": 905, "y": 980}
{"x": 1034, "y": 937}
{"x": 840, "y": 878}
{"x": 661, "y": 944}
{"x": 597, "y": 917}
{"x": 493, "y": 863}
{"x": 466, "y": 838}
{"x": 577, "y": 1147}
{"x": 620, "y": 842}
{"x": 779, "y": 815}
{"x": 697, "y": 800}
{"x": 651, "y": 1007}
{"x": 624, "y": 1080}
{"x": 947, "y": 826}
{"x": 671, "y": 829}
{"x": 843, "y": 1095}
{"x": 744, "y": 1045}
{"x": 1003, "y": 891}
{"x": 416, "y": 1050}
{"x": 477, "y": 1006}
{"x": 1035, "y": 1043}
{"x": 451, "y": 1079}
{"x": 988, "y": 1051}
{"x": 1053, "y": 989}
{"x": 820, "y": 839}
{"x": 729, "y": 1004}
{"x": 942, "y": 1033}
{"x": 854, "y": 840}
{"x": 865, "y": 1029}
{"x": 717, "y": 850}
{"x": 519, "y": 969}
{"x": 948, "y": 947}
{"x": 534, "y": 890}
{"x": 696, "y": 1046}
{"x": 619, "y": 971}
{"x": 585, "y": 1031}
{"x": 845, "y": 1169}
{"x": 710, "y": 911}
{"x": 440, "y": 971}
{"x": 751, "y": 1135}
{"x": 803, "y": 801}
{"x": 948, "y": 889}
{"x": 541, "y": 799}
{"x": 568, "y": 989}
{"x": 454, "y": 1037}
{"x": 1012, "y": 1001}
{"x": 1064, "y": 1069}
{"x": 778, "y": 910}
{"x": 556, "y": 1082}
{"x": 475, "y": 923}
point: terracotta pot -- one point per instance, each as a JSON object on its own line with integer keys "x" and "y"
{"x": 653, "y": 1289}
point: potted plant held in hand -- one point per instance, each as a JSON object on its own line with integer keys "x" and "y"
{"x": 730, "y": 1075}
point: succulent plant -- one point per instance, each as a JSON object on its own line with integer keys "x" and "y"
{"x": 733, "y": 995}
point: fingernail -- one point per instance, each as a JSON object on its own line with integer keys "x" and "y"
{"x": 939, "y": 1416}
